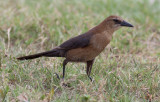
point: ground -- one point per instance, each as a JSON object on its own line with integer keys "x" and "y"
{"x": 128, "y": 70}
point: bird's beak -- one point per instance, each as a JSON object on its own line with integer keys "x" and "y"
{"x": 126, "y": 24}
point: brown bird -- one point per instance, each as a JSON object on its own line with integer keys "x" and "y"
{"x": 85, "y": 47}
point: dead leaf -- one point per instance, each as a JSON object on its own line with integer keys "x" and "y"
{"x": 23, "y": 97}
{"x": 50, "y": 95}
{"x": 1, "y": 93}
{"x": 148, "y": 97}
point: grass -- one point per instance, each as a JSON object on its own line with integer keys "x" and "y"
{"x": 127, "y": 71}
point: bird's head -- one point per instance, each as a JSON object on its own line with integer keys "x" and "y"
{"x": 115, "y": 22}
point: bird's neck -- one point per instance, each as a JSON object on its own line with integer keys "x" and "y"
{"x": 101, "y": 28}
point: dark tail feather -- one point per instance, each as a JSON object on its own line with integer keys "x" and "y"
{"x": 52, "y": 53}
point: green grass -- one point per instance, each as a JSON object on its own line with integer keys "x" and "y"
{"x": 127, "y": 71}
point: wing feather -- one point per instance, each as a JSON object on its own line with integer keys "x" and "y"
{"x": 80, "y": 41}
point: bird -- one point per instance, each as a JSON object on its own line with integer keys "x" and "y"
{"x": 85, "y": 47}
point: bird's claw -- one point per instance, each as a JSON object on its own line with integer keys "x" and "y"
{"x": 57, "y": 76}
{"x": 90, "y": 78}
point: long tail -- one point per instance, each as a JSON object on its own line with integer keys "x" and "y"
{"x": 51, "y": 53}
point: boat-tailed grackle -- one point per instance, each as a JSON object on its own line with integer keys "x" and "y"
{"x": 85, "y": 47}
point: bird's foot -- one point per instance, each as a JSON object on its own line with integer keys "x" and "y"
{"x": 90, "y": 78}
{"x": 57, "y": 76}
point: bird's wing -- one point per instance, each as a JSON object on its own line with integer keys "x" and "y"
{"x": 77, "y": 42}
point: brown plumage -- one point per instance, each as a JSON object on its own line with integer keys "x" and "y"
{"x": 85, "y": 47}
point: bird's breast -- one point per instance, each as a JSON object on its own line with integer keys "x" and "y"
{"x": 100, "y": 41}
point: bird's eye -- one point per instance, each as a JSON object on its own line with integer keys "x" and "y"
{"x": 116, "y": 21}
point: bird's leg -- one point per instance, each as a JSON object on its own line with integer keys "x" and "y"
{"x": 89, "y": 68}
{"x": 64, "y": 64}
